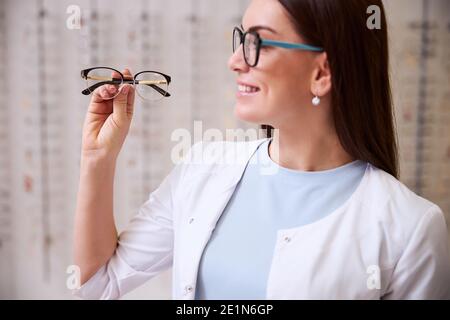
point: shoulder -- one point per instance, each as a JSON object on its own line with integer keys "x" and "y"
{"x": 384, "y": 189}
{"x": 397, "y": 209}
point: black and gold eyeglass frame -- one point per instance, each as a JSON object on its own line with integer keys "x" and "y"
{"x": 149, "y": 85}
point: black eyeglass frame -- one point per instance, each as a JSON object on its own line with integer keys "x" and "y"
{"x": 242, "y": 36}
{"x": 270, "y": 43}
{"x": 117, "y": 81}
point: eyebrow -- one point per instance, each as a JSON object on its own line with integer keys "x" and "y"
{"x": 256, "y": 28}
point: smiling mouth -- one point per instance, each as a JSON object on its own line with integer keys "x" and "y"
{"x": 245, "y": 90}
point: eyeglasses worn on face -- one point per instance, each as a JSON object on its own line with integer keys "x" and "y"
{"x": 149, "y": 85}
{"x": 252, "y": 44}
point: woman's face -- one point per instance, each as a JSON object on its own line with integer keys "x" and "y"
{"x": 282, "y": 77}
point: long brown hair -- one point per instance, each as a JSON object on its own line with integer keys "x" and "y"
{"x": 359, "y": 61}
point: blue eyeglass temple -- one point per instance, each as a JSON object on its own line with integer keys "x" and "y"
{"x": 288, "y": 45}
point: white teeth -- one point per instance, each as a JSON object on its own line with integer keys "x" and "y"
{"x": 247, "y": 89}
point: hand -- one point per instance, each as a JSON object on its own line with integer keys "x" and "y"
{"x": 108, "y": 121}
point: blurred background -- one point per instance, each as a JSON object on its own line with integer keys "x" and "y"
{"x": 42, "y": 112}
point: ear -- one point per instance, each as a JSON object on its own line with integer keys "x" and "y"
{"x": 321, "y": 76}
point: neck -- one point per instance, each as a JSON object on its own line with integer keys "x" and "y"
{"x": 307, "y": 150}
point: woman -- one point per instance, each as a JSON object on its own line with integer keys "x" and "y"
{"x": 331, "y": 221}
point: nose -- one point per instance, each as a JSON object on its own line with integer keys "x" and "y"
{"x": 236, "y": 62}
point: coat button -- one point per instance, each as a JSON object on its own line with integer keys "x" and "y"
{"x": 287, "y": 239}
{"x": 188, "y": 289}
{"x": 191, "y": 219}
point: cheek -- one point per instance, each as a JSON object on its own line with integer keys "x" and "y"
{"x": 284, "y": 88}
{"x": 289, "y": 83}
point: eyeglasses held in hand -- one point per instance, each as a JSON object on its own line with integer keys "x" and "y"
{"x": 149, "y": 85}
{"x": 252, "y": 44}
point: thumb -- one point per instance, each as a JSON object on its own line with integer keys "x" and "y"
{"x": 120, "y": 102}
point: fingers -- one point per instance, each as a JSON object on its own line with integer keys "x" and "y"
{"x": 105, "y": 92}
{"x": 122, "y": 98}
{"x": 123, "y": 104}
{"x": 130, "y": 99}
{"x": 120, "y": 105}
{"x": 127, "y": 74}
{"x": 108, "y": 92}
{"x": 115, "y": 74}
{"x": 131, "y": 93}
{"x": 130, "y": 102}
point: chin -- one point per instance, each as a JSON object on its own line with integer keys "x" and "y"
{"x": 248, "y": 113}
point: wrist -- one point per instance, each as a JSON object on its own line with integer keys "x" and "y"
{"x": 98, "y": 162}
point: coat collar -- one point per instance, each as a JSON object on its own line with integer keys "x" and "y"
{"x": 216, "y": 192}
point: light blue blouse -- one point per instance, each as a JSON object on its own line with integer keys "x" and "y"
{"x": 236, "y": 261}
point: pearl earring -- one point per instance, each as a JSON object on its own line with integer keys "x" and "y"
{"x": 316, "y": 101}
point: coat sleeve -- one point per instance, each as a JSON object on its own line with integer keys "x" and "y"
{"x": 423, "y": 270}
{"x": 145, "y": 247}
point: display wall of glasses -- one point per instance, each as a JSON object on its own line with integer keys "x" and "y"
{"x": 42, "y": 115}
{"x": 420, "y": 49}
{"x": 6, "y": 247}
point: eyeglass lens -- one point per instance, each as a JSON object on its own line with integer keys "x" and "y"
{"x": 104, "y": 77}
{"x": 151, "y": 86}
{"x": 250, "y": 46}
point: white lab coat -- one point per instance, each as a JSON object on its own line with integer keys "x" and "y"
{"x": 384, "y": 242}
